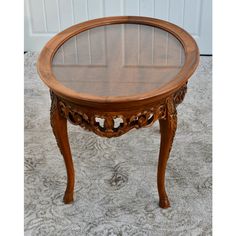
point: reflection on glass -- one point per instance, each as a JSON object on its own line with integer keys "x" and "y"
{"x": 118, "y": 60}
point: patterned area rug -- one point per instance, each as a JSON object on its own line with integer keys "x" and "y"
{"x": 115, "y": 191}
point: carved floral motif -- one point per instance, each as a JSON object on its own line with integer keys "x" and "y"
{"x": 128, "y": 120}
{"x": 88, "y": 119}
{"x": 172, "y": 119}
{"x": 180, "y": 94}
{"x": 53, "y": 118}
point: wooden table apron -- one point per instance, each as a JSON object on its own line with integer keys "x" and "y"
{"x": 134, "y": 111}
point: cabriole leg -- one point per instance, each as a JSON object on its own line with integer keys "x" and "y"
{"x": 168, "y": 127}
{"x": 59, "y": 127}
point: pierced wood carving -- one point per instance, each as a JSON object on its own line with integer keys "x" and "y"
{"x": 108, "y": 125}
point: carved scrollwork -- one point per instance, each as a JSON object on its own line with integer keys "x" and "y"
{"x": 74, "y": 116}
{"x": 172, "y": 117}
{"x": 107, "y": 126}
{"x": 147, "y": 117}
{"x": 180, "y": 94}
{"x": 53, "y": 118}
{"x": 105, "y": 123}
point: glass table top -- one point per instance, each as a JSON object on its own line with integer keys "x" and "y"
{"x": 118, "y": 60}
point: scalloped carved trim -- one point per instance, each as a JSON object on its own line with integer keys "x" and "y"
{"x": 128, "y": 119}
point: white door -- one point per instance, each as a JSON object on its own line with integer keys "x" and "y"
{"x": 44, "y": 18}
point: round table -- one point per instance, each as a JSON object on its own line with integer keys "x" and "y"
{"x": 114, "y": 74}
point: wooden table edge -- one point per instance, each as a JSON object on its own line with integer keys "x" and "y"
{"x": 44, "y": 63}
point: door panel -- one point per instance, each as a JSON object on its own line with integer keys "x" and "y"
{"x": 44, "y": 18}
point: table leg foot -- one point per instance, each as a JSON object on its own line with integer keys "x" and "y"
{"x": 59, "y": 127}
{"x": 68, "y": 197}
{"x": 168, "y": 127}
{"x": 164, "y": 203}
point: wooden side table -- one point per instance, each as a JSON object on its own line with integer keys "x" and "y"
{"x": 113, "y": 74}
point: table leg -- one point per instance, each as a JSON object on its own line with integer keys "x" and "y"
{"x": 59, "y": 127}
{"x": 168, "y": 127}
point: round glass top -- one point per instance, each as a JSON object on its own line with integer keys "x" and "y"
{"x": 118, "y": 60}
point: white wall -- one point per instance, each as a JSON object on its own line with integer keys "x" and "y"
{"x": 44, "y": 18}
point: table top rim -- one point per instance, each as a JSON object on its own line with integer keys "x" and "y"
{"x": 45, "y": 59}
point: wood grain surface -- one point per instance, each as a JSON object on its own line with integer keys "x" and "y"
{"x": 100, "y": 113}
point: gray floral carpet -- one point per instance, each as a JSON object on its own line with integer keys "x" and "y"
{"x": 115, "y": 191}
